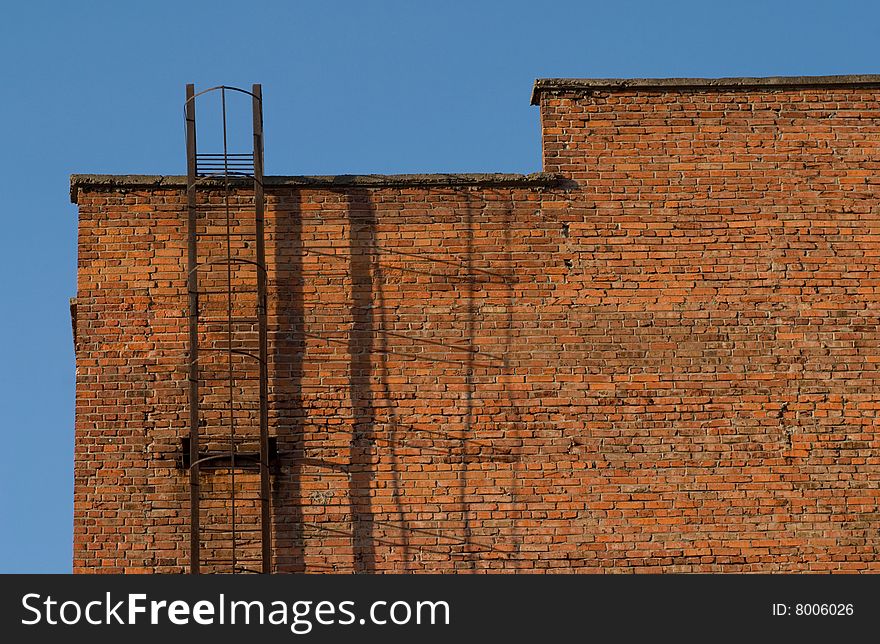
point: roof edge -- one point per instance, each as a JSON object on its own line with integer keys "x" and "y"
{"x": 176, "y": 182}
{"x": 697, "y": 84}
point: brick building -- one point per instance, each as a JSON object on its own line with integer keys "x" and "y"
{"x": 660, "y": 354}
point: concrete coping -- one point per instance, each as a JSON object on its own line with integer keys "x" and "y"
{"x": 178, "y": 182}
{"x": 586, "y": 85}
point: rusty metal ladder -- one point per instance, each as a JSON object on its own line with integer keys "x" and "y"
{"x": 228, "y": 451}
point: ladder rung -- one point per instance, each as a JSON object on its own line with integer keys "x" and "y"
{"x": 239, "y": 455}
{"x": 223, "y": 292}
{"x": 219, "y": 234}
{"x": 223, "y": 497}
{"x": 226, "y": 438}
{"x": 248, "y": 465}
{"x": 226, "y": 376}
{"x": 245, "y": 320}
{"x": 221, "y": 175}
{"x": 218, "y": 167}
{"x": 201, "y": 155}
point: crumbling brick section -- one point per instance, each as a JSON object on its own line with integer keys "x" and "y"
{"x": 662, "y": 356}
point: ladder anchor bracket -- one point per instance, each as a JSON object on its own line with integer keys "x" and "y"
{"x": 221, "y": 460}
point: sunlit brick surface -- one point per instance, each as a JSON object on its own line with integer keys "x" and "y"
{"x": 665, "y": 361}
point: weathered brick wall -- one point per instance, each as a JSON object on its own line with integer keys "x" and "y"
{"x": 725, "y": 291}
{"x": 667, "y": 361}
{"x": 129, "y": 340}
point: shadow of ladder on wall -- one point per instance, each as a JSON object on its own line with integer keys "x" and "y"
{"x": 228, "y": 451}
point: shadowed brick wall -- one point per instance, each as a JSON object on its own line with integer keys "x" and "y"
{"x": 661, "y": 356}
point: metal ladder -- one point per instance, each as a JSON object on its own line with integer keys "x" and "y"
{"x": 228, "y": 451}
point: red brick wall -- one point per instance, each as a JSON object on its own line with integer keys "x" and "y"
{"x": 667, "y": 362}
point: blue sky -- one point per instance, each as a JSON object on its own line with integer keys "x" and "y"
{"x": 349, "y": 87}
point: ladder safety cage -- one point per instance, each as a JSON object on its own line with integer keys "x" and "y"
{"x": 227, "y": 452}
